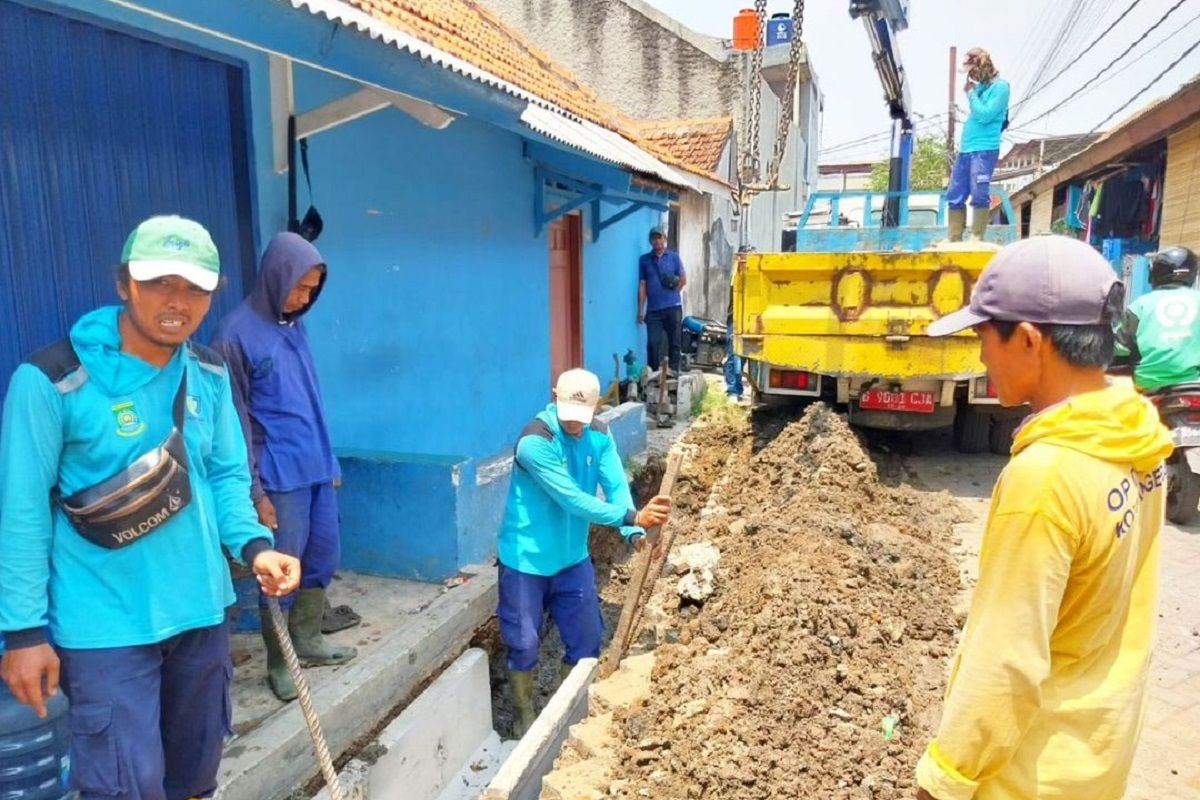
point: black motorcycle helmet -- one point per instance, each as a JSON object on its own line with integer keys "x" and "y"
{"x": 1176, "y": 265}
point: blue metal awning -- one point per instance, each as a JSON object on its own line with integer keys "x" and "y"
{"x": 575, "y": 182}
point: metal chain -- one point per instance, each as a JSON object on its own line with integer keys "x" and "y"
{"x": 788, "y": 104}
{"x": 310, "y": 715}
{"x": 751, "y": 163}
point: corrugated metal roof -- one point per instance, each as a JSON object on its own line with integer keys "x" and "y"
{"x": 540, "y": 115}
{"x": 601, "y": 143}
{"x": 336, "y": 11}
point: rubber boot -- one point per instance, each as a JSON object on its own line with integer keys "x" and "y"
{"x": 564, "y": 670}
{"x": 304, "y": 624}
{"x": 979, "y": 223}
{"x": 277, "y": 671}
{"x": 520, "y": 687}
{"x": 957, "y": 220}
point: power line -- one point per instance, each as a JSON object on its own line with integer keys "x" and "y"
{"x": 1066, "y": 32}
{"x": 1034, "y": 90}
{"x": 881, "y": 136}
{"x": 1148, "y": 86}
{"x": 1108, "y": 66}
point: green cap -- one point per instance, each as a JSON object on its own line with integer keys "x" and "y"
{"x": 163, "y": 246}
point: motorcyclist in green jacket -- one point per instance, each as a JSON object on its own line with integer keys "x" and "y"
{"x": 1160, "y": 332}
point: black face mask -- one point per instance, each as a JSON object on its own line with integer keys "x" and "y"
{"x": 139, "y": 499}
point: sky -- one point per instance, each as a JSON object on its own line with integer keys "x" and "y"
{"x": 1024, "y": 36}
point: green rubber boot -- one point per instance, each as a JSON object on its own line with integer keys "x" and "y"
{"x": 277, "y": 671}
{"x": 957, "y": 220}
{"x": 979, "y": 223}
{"x": 564, "y": 670}
{"x": 304, "y": 624}
{"x": 520, "y": 687}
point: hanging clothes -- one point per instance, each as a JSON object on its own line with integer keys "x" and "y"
{"x": 1122, "y": 207}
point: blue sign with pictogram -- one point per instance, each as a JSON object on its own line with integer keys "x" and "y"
{"x": 780, "y": 30}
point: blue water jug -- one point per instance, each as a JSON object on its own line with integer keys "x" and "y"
{"x": 33, "y": 751}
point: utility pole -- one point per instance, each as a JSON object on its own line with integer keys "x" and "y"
{"x": 953, "y": 112}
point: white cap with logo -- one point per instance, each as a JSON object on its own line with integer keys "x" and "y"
{"x": 577, "y": 394}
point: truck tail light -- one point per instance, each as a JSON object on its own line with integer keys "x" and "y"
{"x": 788, "y": 379}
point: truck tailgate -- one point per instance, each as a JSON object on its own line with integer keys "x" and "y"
{"x": 863, "y": 313}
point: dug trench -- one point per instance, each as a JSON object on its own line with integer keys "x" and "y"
{"x": 816, "y": 666}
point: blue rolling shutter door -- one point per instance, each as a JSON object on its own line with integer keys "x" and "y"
{"x": 98, "y": 130}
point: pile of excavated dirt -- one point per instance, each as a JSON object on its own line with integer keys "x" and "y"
{"x": 816, "y": 669}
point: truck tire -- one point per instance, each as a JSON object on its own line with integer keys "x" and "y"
{"x": 1183, "y": 503}
{"x": 1000, "y": 438}
{"x": 971, "y": 430}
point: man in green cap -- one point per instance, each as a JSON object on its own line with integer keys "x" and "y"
{"x": 129, "y": 421}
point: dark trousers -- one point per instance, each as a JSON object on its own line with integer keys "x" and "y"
{"x": 664, "y": 321}
{"x": 574, "y": 605}
{"x": 149, "y": 722}
{"x": 310, "y": 530}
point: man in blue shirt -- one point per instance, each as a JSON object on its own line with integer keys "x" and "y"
{"x": 294, "y": 474}
{"x": 138, "y": 631}
{"x": 661, "y": 278}
{"x": 561, "y": 459}
{"x": 971, "y": 178}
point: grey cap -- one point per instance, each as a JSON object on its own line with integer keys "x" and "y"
{"x": 657, "y": 231}
{"x": 1052, "y": 280}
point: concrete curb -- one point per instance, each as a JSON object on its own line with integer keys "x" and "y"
{"x": 275, "y": 758}
{"x": 520, "y": 777}
{"x": 427, "y": 745}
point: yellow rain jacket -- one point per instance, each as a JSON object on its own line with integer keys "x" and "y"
{"x": 1046, "y": 692}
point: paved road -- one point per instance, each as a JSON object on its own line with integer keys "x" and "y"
{"x": 1168, "y": 760}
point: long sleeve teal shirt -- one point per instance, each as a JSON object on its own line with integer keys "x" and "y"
{"x": 989, "y": 109}
{"x": 173, "y": 580}
{"x": 552, "y": 498}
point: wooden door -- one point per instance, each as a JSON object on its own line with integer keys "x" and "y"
{"x": 566, "y": 295}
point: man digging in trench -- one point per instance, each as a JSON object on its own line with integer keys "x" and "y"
{"x": 1047, "y": 690}
{"x": 561, "y": 458}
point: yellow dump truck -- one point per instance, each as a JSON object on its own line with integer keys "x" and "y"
{"x": 848, "y": 326}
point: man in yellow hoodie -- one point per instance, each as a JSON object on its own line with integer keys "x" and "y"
{"x": 1047, "y": 690}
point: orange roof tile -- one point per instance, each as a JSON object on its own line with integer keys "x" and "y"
{"x": 467, "y": 30}
{"x": 696, "y": 143}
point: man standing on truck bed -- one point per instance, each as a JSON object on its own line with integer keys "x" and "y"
{"x": 561, "y": 458}
{"x": 661, "y": 278}
{"x": 971, "y": 178}
{"x": 1047, "y": 689}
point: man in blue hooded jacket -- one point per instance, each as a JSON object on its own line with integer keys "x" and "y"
{"x": 294, "y": 474}
{"x": 561, "y": 459}
{"x": 139, "y": 635}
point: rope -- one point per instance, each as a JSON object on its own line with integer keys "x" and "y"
{"x": 305, "y": 697}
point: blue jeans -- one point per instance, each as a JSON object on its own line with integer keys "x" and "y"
{"x": 662, "y": 321}
{"x": 310, "y": 530}
{"x": 574, "y": 605}
{"x": 733, "y": 367}
{"x": 972, "y": 178}
{"x": 149, "y": 722}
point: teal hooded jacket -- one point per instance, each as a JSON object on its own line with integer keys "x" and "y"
{"x": 552, "y": 499}
{"x": 116, "y": 408}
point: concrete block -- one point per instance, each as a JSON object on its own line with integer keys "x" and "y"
{"x": 431, "y": 741}
{"x": 520, "y": 777}
{"x": 627, "y": 423}
{"x": 269, "y": 762}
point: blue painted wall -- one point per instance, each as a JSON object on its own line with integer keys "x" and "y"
{"x": 432, "y": 336}
{"x": 610, "y": 281}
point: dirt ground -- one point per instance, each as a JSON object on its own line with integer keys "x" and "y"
{"x": 817, "y": 667}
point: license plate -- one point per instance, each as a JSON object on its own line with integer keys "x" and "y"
{"x": 887, "y": 400}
